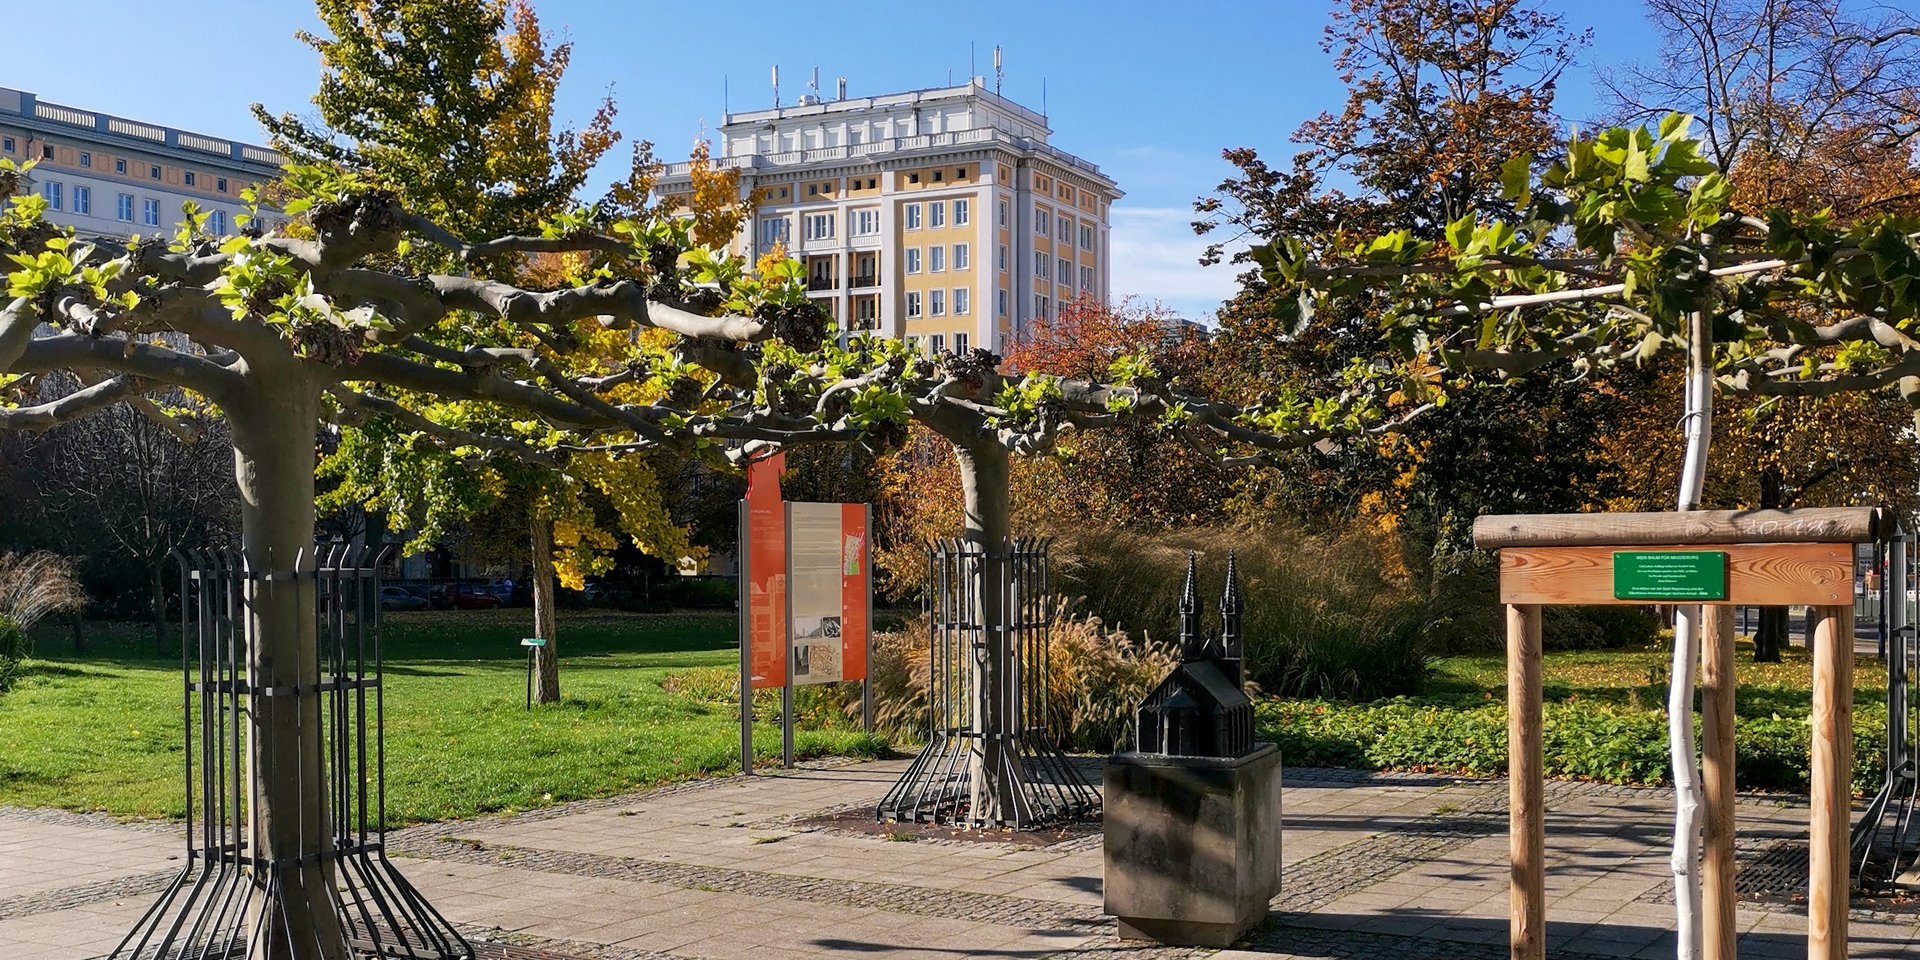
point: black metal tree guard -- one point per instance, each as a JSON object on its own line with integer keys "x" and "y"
{"x": 940, "y": 787}
{"x": 228, "y": 902}
{"x": 1886, "y": 840}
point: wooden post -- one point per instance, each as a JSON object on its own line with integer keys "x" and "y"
{"x": 1717, "y": 763}
{"x": 1827, "y": 861}
{"x": 1526, "y": 779}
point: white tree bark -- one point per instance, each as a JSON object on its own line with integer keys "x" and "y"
{"x": 1687, "y": 622}
{"x": 986, "y": 476}
{"x": 546, "y": 658}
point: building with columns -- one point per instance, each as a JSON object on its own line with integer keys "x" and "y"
{"x": 942, "y": 215}
{"x": 110, "y": 176}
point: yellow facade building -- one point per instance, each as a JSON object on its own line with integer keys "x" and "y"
{"x": 942, "y": 215}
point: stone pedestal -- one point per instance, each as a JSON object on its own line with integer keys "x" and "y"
{"x": 1192, "y": 844}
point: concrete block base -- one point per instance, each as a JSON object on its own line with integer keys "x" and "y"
{"x": 1192, "y": 844}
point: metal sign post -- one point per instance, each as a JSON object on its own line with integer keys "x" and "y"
{"x": 786, "y": 644}
{"x": 533, "y": 645}
{"x": 866, "y": 680}
{"x": 745, "y": 603}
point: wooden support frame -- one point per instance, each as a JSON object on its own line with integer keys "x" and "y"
{"x": 1774, "y": 557}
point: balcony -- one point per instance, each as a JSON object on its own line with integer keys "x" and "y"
{"x": 868, "y": 280}
{"x": 823, "y": 283}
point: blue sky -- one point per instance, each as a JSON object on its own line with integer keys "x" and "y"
{"x": 1151, "y": 91}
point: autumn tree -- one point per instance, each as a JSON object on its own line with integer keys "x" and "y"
{"x": 489, "y": 159}
{"x": 1809, "y": 105}
{"x": 1439, "y": 95}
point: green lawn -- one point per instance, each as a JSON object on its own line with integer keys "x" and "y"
{"x": 1605, "y": 720}
{"x": 101, "y": 731}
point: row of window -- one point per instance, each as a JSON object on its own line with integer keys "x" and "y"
{"x": 936, "y": 303}
{"x": 1045, "y": 224}
{"x": 1064, "y": 273}
{"x": 80, "y": 201}
{"x": 936, "y": 258}
{"x": 938, "y": 342}
{"x": 936, "y": 214}
{"x": 154, "y": 170}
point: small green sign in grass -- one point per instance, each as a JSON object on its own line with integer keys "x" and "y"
{"x": 1670, "y": 575}
{"x": 533, "y": 642}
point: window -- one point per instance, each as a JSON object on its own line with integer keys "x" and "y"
{"x": 936, "y": 215}
{"x": 962, "y": 257}
{"x": 960, "y": 172}
{"x": 866, "y": 223}
{"x": 913, "y": 259}
{"x": 1003, "y": 257}
{"x": 1040, "y": 306}
{"x": 220, "y": 184}
{"x": 913, "y": 178}
{"x": 217, "y": 223}
{"x": 52, "y": 190}
{"x": 1086, "y": 236}
{"x": 1066, "y": 271}
{"x": 819, "y": 226}
{"x": 82, "y": 200}
{"x": 1039, "y": 264}
{"x": 773, "y": 230}
{"x": 1003, "y": 213}
{"x": 123, "y": 208}
{"x": 119, "y": 165}
{"x": 189, "y": 178}
{"x": 937, "y": 175}
{"x": 1040, "y": 220}
{"x": 936, "y": 259}
{"x": 1086, "y": 278}
{"x": 1065, "y": 232}
{"x": 962, "y": 212}
{"x": 46, "y": 151}
{"x": 150, "y": 212}
{"x": 153, "y": 172}
{"x": 913, "y": 303}
{"x": 939, "y": 341}
{"x": 86, "y": 159}
{"x": 6, "y": 144}
{"x": 1003, "y": 303}
{"x": 959, "y": 339}
{"x": 813, "y": 189}
{"x": 962, "y": 302}
{"x": 937, "y": 300}
{"x": 913, "y": 343}
{"x": 913, "y": 216}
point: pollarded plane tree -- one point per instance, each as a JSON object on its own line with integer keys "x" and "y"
{"x": 285, "y": 334}
{"x": 1626, "y": 249}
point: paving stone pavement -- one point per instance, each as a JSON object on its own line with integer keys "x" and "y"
{"x": 1376, "y": 867}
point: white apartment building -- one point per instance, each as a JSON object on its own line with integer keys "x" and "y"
{"x": 111, "y": 176}
{"x": 942, "y": 215}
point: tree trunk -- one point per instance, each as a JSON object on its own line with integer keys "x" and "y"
{"x": 986, "y": 476}
{"x": 1687, "y": 624}
{"x": 157, "y": 608}
{"x": 289, "y": 821}
{"x": 546, "y": 659}
{"x": 78, "y": 620}
{"x": 1770, "y": 634}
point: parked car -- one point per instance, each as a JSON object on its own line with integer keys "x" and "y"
{"x": 398, "y": 598}
{"x": 463, "y": 596}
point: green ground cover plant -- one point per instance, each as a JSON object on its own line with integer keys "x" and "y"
{"x": 101, "y": 731}
{"x": 1605, "y": 721}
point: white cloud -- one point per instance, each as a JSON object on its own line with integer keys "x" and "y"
{"x": 1156, "y": 256}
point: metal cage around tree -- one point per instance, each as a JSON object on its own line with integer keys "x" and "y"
{"x": 1886, "y": 840}
{"x": 229, "y": 901}
{"x": 991, "y": 759}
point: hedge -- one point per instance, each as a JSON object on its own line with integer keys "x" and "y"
{"x": 1582, "y": 741}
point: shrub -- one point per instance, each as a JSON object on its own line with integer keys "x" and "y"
{"x": 31, "y": 587}
{"x": 1321, "y": 620}
{"x": 1096, "y": 679}
{"x": 1581, "y": 740}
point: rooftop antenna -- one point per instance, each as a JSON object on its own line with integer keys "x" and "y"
{"x": 998, "y": 73}
{"x": 776, "y": 86}
{"x": 814, "y": 85}
{"x": 1043, "y": 98}
{"x": 949, "y": 76}
{"x": 840, "y": 88}
{"x": 726, "y": 94}
{"x": 971, "y": 71}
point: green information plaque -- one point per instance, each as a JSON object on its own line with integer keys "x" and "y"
{"x": 1670, "y": 575}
